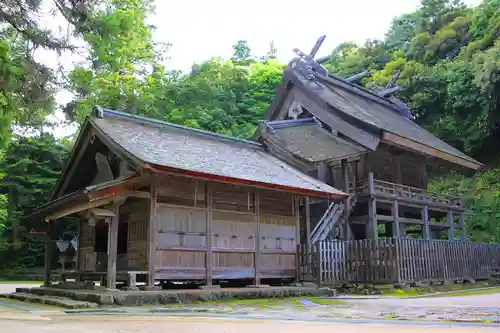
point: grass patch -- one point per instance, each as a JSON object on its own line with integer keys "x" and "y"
{"x": 469, "y": 293}
{"x": 461, "y": 289}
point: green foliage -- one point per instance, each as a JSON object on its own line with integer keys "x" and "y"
{"x": 482, "y": 196}
{"x": 30, "y": 169}
{"x": 449, "y": 60}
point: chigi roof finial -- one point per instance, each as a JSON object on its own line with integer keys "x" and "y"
{"x": 98, "y": 111}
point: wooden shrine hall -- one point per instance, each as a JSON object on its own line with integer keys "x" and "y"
{"x": 363, "y": 141}
{"x": 163, "y": 202}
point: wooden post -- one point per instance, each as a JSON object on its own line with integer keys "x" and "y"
{"x": 372, "y": 210}
{"x": 208, "y": 258}
{"x": 112, "y": 249}
{"x": 297, "y": 237}
{"x": 48, "y": 256}
{"x": 308, "y": 219}
{"x": 463, "y": 234}
{"x": 347, "y": 201}
{"x": 257, "y": 237}
{"x": 426, "y": 226}
{"x": 152, "y": 235}
{"x": 78, "y": 246}
{"x": 395, "y": 213}
{"x": 451, "y": 223}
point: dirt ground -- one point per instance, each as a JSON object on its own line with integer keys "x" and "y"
{"x": 111, "y": 324}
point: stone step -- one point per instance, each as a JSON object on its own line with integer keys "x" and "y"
{"x": 63, "y": 302}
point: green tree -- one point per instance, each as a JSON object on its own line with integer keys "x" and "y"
{"x": 30, "y": 169}
{"x": 241, "y": 53}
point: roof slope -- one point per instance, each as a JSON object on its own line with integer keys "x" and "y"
{"x": 177, "y": 148}
{"x": 379, "y": 113}
{"x": 308, "y": 141}
{"x": 385, "y": 118}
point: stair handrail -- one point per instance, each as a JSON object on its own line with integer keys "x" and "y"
{"x": 333, "y": 208}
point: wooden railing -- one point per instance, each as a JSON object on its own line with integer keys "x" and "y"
{"x": 410, "y": 193}
{"x": 327, "y": 222}
{"x": 390, "y": 260}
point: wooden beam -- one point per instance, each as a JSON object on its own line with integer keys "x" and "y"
{"x": 138, "y": 194}
{"x": 463, "y": 234}
{"x": 404, "y": 202}
{"x": 102, "y": 212}
{"x": 75, "y": 157}
{"x": 80, "y": 208}
{"x": 152, "y": 234}
{"x": 112, "y": 249}
{"x": 451, "y": 223}
{"x": 399, "y": 141}
{"x": 425, "y": 219}
{"x": 208, "y": 257}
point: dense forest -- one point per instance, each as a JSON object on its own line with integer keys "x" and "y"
{"x": 447, "y": 54}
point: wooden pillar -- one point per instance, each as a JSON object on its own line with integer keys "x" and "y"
{"x": 395, "y": 213}
{"x": 296, "y": 206}
{"x": 308, "y": 220}
{"x": 152, "y": 235}
{"x": 257, "y": 237}
{"x": 112, "y": 249}
{"x": 47, "y": 274}
{"x": 463, "y": 234}
{"x": 347, "y": 201}
{"x": 371, "y": 231}
{"x": 78, "y": 246}
{"x": 426, "y": 226}
{"x": 451, "y": 223}
{"x": 208, "y": 257}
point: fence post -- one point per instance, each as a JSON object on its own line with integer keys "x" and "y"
{"x": 397, "y": 265}
{"x": 319, "y": 271}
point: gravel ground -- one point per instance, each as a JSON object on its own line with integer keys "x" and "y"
{"x": 491, "y": 300}
{"x": 110, "y": 324}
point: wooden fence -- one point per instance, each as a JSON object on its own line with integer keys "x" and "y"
{"x": 389, "y": 260}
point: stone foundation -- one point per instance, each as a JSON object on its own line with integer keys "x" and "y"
{"x": 158, "y": 297}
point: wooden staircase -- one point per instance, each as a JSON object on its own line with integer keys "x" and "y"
{"x": 334, "y": 216}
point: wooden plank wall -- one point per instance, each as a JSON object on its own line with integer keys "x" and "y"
{"x": 181, "y": 239}
{"x": 135, "y": 214}
{"x": 396, "y": 166}
{"x": 403, "y": 260}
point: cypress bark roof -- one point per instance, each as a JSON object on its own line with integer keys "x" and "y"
{"x": 306, "y": 140}
{"x": 378, "y": 115}
{"x": 180, "y": 149}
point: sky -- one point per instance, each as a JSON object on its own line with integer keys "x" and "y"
{"x": 200, "y": 29}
